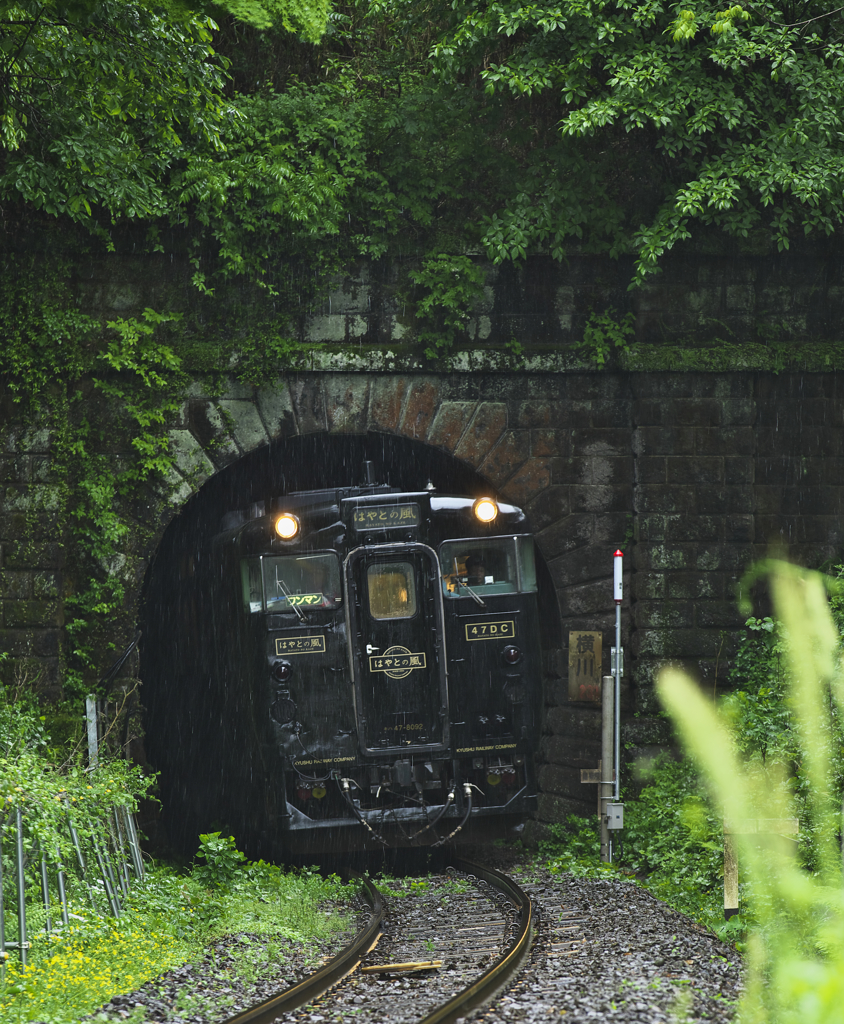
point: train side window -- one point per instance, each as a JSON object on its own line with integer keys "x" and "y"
{"x": 490, "y": 566}
{"x": 301, "y": 581}
{"x": 253, "y": 592}
{"x": 392, "y": 590}
{"x": 527, "y": 564}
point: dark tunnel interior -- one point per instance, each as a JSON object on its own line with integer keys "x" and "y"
{"x": 170, "y": 637}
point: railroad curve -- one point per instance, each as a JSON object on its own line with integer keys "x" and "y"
{"x": 501, "y": 935}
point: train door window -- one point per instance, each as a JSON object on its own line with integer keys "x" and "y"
{"x": 253, "y": 591}
{"x": 392, "y": 590}
{"x": 301, "y": 581}
{"x": 487, "y": 567}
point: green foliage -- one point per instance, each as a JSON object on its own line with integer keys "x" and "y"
{"x": 759, "y": 709}
{"x": 796, "y": 953}
{"x": 154, "y": 390}
{"x": 672, "y": 844}
{"x": 166, "y": 919}
{"x": 45, "y": 337}
{"x": 452, "y": 284}
{"x": 169, "y": 919}
{"x": 574, "y": 846}
{"x": 674, "y": 841}
{"x": 51, "y": 357}
{"x": 604, "y": 335}
{"x": 222, "y": 859}
{"x": 95, "y": 111}
{"x": 307, "y": 18}
{"x": 741, "y": 119}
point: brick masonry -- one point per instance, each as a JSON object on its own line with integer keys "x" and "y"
{"x": 693, "y": 474}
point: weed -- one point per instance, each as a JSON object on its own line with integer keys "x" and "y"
{"x": 796, "y": 942}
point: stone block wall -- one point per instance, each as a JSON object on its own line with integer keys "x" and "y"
{"x": 31, "y": 554}
{"x": 693, "y": 475}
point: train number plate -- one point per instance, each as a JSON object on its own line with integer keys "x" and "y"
{"x": 491, "y": 630}
{"x": 300, "y": 645}
{"x": 386, "y": 517}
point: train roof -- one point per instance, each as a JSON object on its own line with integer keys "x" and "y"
{"x": 332, "y": 497}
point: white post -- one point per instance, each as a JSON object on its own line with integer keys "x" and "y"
{"x": 618, "y": 558}
{"x": 605, "y": 788}
{"x": 93, "y": 739}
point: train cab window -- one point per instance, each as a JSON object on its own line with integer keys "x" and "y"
{"x": 278, "y": 584}
{"x": 392, "y": 590}
{"x": 301, "y": 580}
{"x": 498, "y": 565}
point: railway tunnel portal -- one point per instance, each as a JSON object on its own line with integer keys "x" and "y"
{"x": 693, "y": 474}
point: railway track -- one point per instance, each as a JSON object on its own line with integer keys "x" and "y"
{"x": 429, "y": 958}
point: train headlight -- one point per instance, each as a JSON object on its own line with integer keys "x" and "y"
{"x": 485, "y": 509}
{"x": 511, "y": 654}
{"x": 287, "y": 526}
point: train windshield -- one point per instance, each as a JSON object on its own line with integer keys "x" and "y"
{"x": 280, "y": 583}
{"x": 497, "y": 565}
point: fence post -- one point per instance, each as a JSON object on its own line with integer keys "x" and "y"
{"x": 93, "y": 738}
{"x": 21, "y": 886}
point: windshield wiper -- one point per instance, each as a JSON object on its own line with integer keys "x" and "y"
{"x": 280, "y": 584}
{"x": 472, "y": 594}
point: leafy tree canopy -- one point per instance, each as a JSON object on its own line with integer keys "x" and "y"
{"x": 431, "y": 125}
{"x": 738, "y": 107}
{"x": 100, "y": 99}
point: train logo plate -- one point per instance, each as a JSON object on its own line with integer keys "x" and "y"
{"x": 300, "y": 645}
{"x": 397, "y": 662}
{"x": 491, "y": 630}
{"x": 386, "y": 517}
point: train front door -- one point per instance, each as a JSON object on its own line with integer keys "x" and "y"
{"x": 397, "y": 637}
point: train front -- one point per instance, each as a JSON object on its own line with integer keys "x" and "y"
{"x": 402, "y": 669}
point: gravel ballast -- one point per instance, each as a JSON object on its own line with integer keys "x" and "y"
{"x": 612, "y": 952}
{"x": 607, "y": 951}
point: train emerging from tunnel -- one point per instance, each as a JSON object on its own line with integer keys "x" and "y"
{"x": 352, "y": 667}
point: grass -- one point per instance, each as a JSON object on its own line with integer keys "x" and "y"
{"x": 169, "y": 920}
{"x": 399, "y": 888}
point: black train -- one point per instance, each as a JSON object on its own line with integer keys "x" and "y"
{"x": 356, "y": 667}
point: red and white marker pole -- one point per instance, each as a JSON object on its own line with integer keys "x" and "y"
{"x": 618, "y": 559}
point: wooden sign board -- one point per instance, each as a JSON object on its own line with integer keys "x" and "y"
{"x": 585, "y": 666}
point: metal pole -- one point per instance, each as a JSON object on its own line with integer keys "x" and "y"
{"x": 120, "y": 854}
{"x": 76, "y": 845}
{"x": 60, "y": 881}
{"x": 605, "y": 787}
{"x": 134, "y": 846}
{"x": 110, "y": 893}
{"x": 21, "y": 886}
{"x": 45, "y": 890}
{"x": 2, "y": 911}
{"x": 617, "y": 588}
{"x": 617, "y": 702}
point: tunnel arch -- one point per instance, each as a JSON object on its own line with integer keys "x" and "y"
{"x": 298, "y": 462}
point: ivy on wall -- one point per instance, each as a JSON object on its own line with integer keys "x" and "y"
{"x": 54, "y": 363}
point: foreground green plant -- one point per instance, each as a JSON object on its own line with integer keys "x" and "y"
{"x": 796, "y": 948}
{"x": 168, "y": 920}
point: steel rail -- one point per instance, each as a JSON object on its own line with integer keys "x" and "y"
{"x": 321, "y": 981}
{"x": 506, "y": 966}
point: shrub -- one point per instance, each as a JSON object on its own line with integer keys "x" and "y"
{"x": 796, "y": 945}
